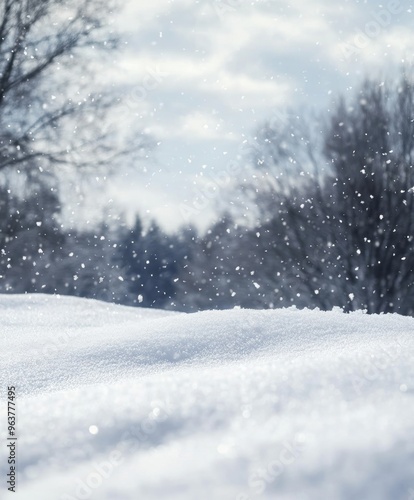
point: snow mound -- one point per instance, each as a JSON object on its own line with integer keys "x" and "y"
{"x": 117, "y": 403}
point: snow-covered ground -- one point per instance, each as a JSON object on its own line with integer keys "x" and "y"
{"x": 130, "y": 404}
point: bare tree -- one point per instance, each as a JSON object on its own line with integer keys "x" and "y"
{"x": 56, "y": 112}
{"x": 52, "y": 107}
{"x": 345, "y": 237}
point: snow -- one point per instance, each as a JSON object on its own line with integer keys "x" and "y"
{"x": 118, "y": 403}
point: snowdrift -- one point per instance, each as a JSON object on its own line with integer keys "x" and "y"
{"x": 116, "y": 403}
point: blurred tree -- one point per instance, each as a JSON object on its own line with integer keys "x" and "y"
{"x": 52, "y": 105}
{"x": 56, "y": 110}
{"x": 222, "y": 268}
{"x": 30, "y": 236}
{"x": 150, "y": 260}
{"x": 88, "y": 267}
{"x": 343, "y": 232}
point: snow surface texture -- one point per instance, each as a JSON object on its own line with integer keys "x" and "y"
{"x": 127, "y": 404}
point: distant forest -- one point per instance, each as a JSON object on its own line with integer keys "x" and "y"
{"x": 333, "y": 226}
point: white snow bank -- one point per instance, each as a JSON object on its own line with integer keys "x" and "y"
{"x": 124, "y": 404}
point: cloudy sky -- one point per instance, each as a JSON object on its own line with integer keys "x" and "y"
{"x": 201, "y": 75}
